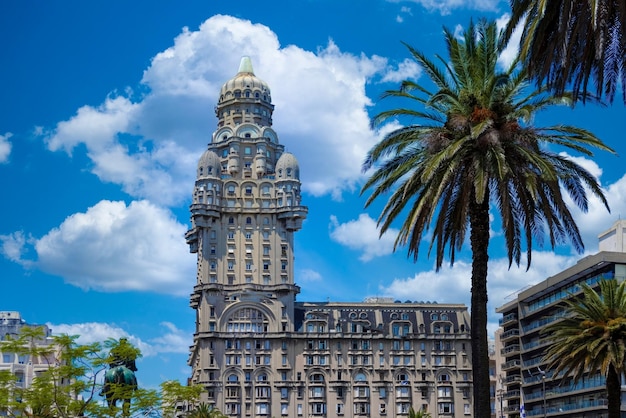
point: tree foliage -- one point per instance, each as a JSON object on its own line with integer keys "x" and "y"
{"x": 586, "y": 41}
{"x": 68, "y": 380}
{"x": 473, "y": 151}
{"x": 591, "y": 338}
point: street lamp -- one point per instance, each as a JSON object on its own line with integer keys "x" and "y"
{"x": 501, "y": 396}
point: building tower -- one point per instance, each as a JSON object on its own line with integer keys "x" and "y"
{"x": 246, "y": 208}
{"x": 258, "y": 352}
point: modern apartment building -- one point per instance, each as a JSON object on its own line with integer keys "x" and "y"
{"x": 526, "y": 381}
{"x": 259, "y": 352}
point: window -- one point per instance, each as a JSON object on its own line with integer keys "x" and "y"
{"x": 361, "y": 392}
{"x": 360, "y": 377}
{"x": 403, "y": 407}
{"x": 318, "y": 408}
{"x": 316, "y": 392}
{"x": 446, "y": 408}
{"x": 403, "y": 391}
{"x": 361, "y": 408}
{"x": 284, "y": 409}
{"x": 382, "y": 392}
{"x": 444, "y": 391}
{"x": 340, "y": 409}
{"x": 261, "y": 408}
{"x": 247, "y": 320}
{"x": 248, "y": 220}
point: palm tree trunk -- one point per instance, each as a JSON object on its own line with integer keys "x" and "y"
{"x": 479, "y": 238}
{"x": 614, "y": 391}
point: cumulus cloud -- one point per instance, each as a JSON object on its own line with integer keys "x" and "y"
{"x": 407, "y": 69}
{"x": 5, "y": 147}
{"x": 452, "y": 284}
{"x": 148, "y": 144}
{"x": 114, "y": 247}
{"x": 171, "y": 340}
{"x": 363, "y": 235}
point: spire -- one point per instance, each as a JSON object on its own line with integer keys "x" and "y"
{"x": 245, "y": 66}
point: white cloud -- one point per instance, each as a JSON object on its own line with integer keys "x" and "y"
{"x": 445, "y": 7}
{"x": 308, "y": 275}
{"x": 452, "y": 284}
{"x": 407, "y": 69}
{"x": 149, "y": 145}
{"x": 512, "y": 49}
{"x": 362, "y": 234}
{"x": 114, "y": 247}
{"x": 172, "y": 339}
{"x": 13, "y": 247}
{"x": 5, "y": 147}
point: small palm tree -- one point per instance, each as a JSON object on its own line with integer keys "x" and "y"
{"x": 206, "y": 411}
{"x": 418, "y": 414}
{"x": 592, "y": 337}
{"x": 586, "y": 40}
{"x": 475, "y": 147}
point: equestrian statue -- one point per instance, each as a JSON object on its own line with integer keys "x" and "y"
{"x": 119, "y": 380}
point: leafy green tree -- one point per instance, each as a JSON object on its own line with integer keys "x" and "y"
{"x": 475, "y": 147}
{"x": 592, "y": 337}
{"x": 69, "y": 383}
{"x": 586, "y": 41}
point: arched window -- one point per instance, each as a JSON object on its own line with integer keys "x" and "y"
{"x": 233, "y": 378}
{"x": 360, "y": 377}
{"x": 247, "y": 320}
{"x": 316, "y": 378}
{"x": 248, "y": 220}
{"x": 231, "y": 220}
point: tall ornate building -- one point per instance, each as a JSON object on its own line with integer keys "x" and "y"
{"x": 257, "y": 351}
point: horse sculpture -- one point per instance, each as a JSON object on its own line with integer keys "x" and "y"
{"x": 119, "y": 380}
{"x": 119, "y": 384}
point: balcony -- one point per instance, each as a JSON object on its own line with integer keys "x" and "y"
{"x": 511, "y": 364}
{"x": 516, "y": 378}
{"x": 511, "y": 394}
{"x": 510, "y": 349}
{"x": 510, "y": 334}
{"x": 508, "y": 318}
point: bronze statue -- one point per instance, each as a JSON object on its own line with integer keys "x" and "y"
{"x": 119, "y": 380}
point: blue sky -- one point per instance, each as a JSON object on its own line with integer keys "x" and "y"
{"x": 107, "y": 105}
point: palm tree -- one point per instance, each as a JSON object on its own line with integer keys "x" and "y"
{"x": 206, "y": 411}
{"x": 418, "y": 414}
{"x": 475, "y": 148}
{"x": 586, "y": 40}
{"x": 592, "y": 337}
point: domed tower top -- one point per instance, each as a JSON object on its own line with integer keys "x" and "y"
{"x": 287, "y": 167}
{"x": 245, "y": 98}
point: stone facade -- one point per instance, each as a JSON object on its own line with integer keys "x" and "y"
{"x": 259, "y": 352}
